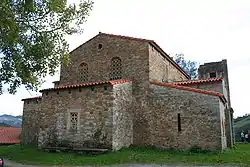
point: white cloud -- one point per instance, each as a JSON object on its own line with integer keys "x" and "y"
{"x": 208, "y": 30}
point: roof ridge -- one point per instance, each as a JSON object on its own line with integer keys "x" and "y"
{"x": 188, "y": 88}
{"x": 126, "y": 37}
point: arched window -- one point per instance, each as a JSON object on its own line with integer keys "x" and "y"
{"x": 83, "y": 72}
{"x": 116, "y": 68}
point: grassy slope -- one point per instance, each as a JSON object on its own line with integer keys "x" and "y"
{"x": 241, "y": 124}
{"x": 238, "y": 155}
{"x": 3, "y": 124}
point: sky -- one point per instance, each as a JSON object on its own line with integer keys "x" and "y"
{"x": 204, "y": 31}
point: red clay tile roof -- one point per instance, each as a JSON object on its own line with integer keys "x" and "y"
{"x": 10, "y": 135}
{"x": 154, "y": 44}
{"x": 32, "y": 98}
{"x": 190, "y": 89}
{"x": 198, "y": 81}
{"x": 112, "y": 82}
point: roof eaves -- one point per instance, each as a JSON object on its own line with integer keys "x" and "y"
{"x": 198, "y": 81}
{"x": 120, "y": 81}
{"x": 155, "y": 45}
{"x": 73, "y": 86}
{"x": 112, "y": 82}
{"x": 32, "y": 98}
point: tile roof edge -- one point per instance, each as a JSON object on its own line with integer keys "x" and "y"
{"x": 198, "y": 81}
{"x": 112, "y": 82}
{"x": 120, "y": 81}
{"x": 188, "y": 88}
{"x": 32, "y": 98}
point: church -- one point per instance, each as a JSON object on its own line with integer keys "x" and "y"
{"x": 119, "y": 91}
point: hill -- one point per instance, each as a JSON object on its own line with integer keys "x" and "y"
{"x": 241, "y": 123}
{"x": 3, "y": 124}
{"x": 10, "y": 120}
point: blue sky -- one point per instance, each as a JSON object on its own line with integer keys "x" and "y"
{"x": 204, "y": 31}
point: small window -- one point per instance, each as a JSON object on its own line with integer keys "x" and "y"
{"x": 116, "y": 68}
{"x": 179, "y": 122}
{"x": 100, "y": 46}
{"x": 73, "y": 121}
{"x": 212, "y": 74}
{"x": 83, "y": 72}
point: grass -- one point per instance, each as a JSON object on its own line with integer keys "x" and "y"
{"x": 238, "y": 155}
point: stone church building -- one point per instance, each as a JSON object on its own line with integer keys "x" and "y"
{"x": 119, "y": 91}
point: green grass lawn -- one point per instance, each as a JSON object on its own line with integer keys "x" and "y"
{"x": 240, "y": 154}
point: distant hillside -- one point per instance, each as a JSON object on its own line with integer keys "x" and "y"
{"x": 10, "y": 120}
{"x": 3, "y": 124}
{"x": 241, "y": 123}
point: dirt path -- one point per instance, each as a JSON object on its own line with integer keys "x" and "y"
{"x": 9, "y": 163}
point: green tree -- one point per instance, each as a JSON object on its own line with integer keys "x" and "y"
{"x": 32, "y": 38}
{"x": 188, "y": 66}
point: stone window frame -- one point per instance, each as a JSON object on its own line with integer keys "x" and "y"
{"x": 115, "y": 68}
{"x": 69, "y": 124}
{"x": 83, "y": 72}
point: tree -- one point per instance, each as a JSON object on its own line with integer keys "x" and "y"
{"x": 188, "y": 66}
{"x": 32, "y": 38}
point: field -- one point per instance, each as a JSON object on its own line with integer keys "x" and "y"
{"x": 238, "y": 155}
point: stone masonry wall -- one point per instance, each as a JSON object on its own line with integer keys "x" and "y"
{"x": 135, "y": 64}
{"x": 95, "y": 120}
{"x": 133, "y": 55}
{"x": 161, "y": 70}
{"x": 122, "y": 116}
{"x": 31, "y": 121}
{"x": 219, "y": 87}
{"x": 200, "y": 119}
